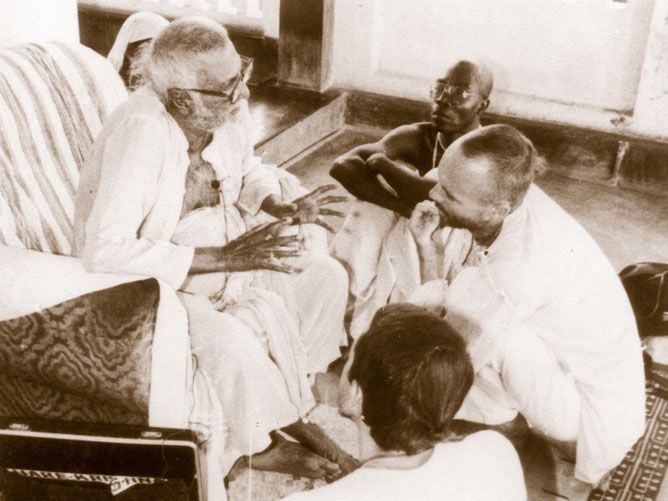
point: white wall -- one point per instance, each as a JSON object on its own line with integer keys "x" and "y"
{"x": 270, "y": 13}
{"x": 38, "y": 20}
{"x": 573, "y": 61}
{"x": 651, "y": 111}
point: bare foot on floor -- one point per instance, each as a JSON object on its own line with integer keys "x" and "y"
{"x": 292, "y": 458}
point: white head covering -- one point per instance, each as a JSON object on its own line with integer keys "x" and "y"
{"x": 139, "y": 26}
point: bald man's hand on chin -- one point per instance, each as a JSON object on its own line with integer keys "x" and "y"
{"x": 423, "y": 223}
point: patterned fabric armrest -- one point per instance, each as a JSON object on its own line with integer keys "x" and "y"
{"x": 88, "y": 358}
{"x": 33, "y": 282}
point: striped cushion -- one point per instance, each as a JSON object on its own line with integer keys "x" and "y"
{"x": 53, "y": 98}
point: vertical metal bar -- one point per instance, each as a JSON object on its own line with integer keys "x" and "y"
{"x": 622, "y": 150}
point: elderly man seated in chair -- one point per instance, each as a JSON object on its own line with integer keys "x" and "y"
{"x": 171, "y": 190}
{"x": 548, "y": 325}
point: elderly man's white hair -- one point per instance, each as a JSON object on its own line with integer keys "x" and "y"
{"x": 174, "y": 57}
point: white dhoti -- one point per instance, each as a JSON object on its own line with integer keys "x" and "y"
{"x": 251, "y": 389}
{"x": 379, "y": 254}
{"x": 583, "y": 405}
{"x": 359, "y": 243}
{"x": 265, "y": 333}
{"x": 316, "y": 298}
{"x": 526, "y": 376}
{"x": 377, "y": 249}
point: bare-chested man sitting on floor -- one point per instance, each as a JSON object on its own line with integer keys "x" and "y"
{"x": 389, "y": 179}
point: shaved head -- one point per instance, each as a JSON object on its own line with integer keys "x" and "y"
{"x": 460, "y": 96}
{"x": 465, "y": 72}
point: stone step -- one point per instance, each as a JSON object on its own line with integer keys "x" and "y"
{"x": 289, "y": 121}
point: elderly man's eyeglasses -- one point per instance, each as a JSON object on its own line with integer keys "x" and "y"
{"x": 442, "y": 92}
{"x": 237, "y": 86}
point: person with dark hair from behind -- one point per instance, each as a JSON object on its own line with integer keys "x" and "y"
{"x": 405, "y": 379}
{"x": 548, "y": 325}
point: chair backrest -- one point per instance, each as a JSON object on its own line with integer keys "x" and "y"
{"x": 53, "y": 100}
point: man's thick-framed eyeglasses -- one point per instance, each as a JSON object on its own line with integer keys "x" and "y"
{"x": 441, "y": 92}
{"x": 237, "y": 86}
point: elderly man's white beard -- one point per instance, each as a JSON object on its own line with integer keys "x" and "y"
{"x": 214, "y": 120}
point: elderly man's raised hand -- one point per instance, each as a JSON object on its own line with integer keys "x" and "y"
{"x": 306, "y": 209}
{"x": 274, "y": 206}
{"x": 311, "y": 207}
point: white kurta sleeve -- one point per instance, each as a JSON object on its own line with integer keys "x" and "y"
{"x": 259, "y": 180}
{"x": 132, "y": 162}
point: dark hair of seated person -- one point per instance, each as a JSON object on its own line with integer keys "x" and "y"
{"x": 414, "y": 372}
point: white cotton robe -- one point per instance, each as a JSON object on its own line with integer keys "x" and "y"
{"x": 258, "y": 350}
{"x": 549, "y": 327}
{"x": 552, "y": 335}
{"x": 377, "y": 249}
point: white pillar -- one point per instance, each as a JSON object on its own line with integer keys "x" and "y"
{"x": 270, "y": 13}
{"x": 38, "y": 20}
{"x": 651, "y": 108}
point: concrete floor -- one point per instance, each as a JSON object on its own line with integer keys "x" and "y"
{"x": 630, "y": 226}
{"x": 273, "y": 110}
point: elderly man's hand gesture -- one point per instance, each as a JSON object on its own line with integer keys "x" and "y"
{"x": 262, "y": 247}
{"x": 307, "y": 209}
{"x": 310, "y": 208}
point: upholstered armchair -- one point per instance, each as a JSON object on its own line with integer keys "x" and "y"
{"x": 74, "y": 345}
